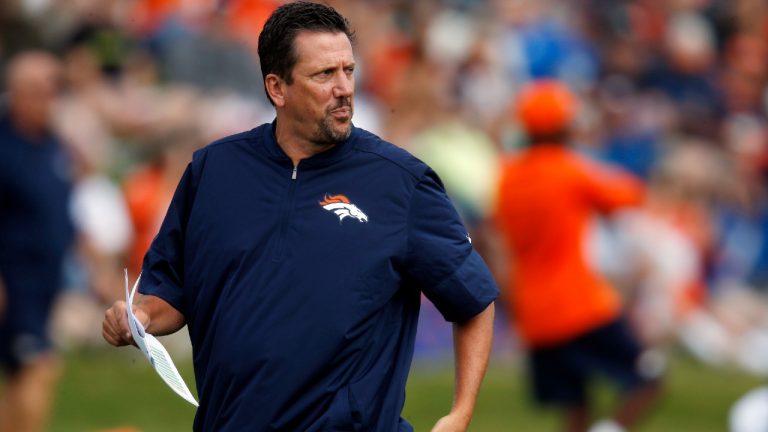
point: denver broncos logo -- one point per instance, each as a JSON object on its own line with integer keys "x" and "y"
{"x": 340, "y": 205}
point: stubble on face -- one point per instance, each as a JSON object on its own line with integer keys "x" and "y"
{"x": 328, "y": 132}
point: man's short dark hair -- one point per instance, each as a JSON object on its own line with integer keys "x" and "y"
{"x": 277, "y": 52}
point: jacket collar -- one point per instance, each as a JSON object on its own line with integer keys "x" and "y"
{"x": 327, "y": 157}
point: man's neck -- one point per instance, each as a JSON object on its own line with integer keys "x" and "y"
{"x": 32, "y": 132}
{"x": 297, "y": 148}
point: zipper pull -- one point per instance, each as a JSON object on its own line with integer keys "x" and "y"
{"x": 293, "y": 175}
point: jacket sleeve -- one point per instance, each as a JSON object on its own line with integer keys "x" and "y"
{"x": 440, "y": 257}
{"x": 163, "y": 266}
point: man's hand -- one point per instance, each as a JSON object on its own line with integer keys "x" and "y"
{"x": 164, "y": 319}
{"x": 115, "y": 328}
{"x": 452, "y": 423}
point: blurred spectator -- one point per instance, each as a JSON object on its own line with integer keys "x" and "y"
{"x": 745, "y": 73}
{"x": 665, "y": 244}
{"x": 742, "y": 218}
{"x": 102, "y": 37}
{"x": 247, "y": 17}
{"x": 149, "y": 18}
{"x": 17, "y": 34}
{"x": 683, "y": 287}
{"x": 35, "y": 234}
{"x": 635, "y": 125}
{"x": 482, "y": 87}
{"x": 101, "y": 217}
{"x": 465, "y": 158}
{"x": 212, "y": 59}
{"x": 685, "y": 72}
{"x": 567, "y": 315}
{"x": 149, "y": 189}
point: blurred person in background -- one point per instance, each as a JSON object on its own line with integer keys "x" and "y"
{"x": 686, "y": 73}
{"x": 149, "y": 189}
{"x": 18, "y": 34}
{"x": 35, "y": 234}
{"x": 568, "y": 316}
{"x": 663, "y": 249}
{"x": 212, "y": 60}
{"x": 465, "y": 155}
{"x": 302, "y": 307}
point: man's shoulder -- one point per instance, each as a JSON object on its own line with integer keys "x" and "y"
{"x": 224, "y": 151}
{"x": 231, "y": 142}
{"x": 372, "y": 145}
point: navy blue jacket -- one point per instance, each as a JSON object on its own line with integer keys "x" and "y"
{"x": 301, "y": 288}
{"x": 35, "y": 188}
{"x": 36, "y": 232}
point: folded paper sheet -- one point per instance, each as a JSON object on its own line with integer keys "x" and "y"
{"x": 154, "y": 351}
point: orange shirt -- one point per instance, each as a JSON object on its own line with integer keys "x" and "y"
{"x": 148, "y": 198}
{"x": 546, "y": 200}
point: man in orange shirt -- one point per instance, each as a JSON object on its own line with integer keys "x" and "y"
{"x": 568, "y": 316}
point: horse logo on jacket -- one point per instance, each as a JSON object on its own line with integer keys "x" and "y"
{"x": 340, "y": 205}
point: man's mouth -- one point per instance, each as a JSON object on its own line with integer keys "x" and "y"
{"x": 342, "y": 112}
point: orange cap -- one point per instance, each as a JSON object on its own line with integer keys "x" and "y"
{"x": 545, "y": 107}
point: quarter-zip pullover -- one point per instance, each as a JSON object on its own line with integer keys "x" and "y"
{"x": 301, "y": 284}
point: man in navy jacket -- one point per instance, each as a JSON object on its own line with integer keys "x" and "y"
{"x": 36, "y": 233}
{"x": 297, "y": 253}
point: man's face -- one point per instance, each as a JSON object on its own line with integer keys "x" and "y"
{"x": 33, "y": 92}
{"x": 319, "y": 103}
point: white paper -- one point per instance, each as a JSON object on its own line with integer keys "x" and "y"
{"x": 154, "y": 351}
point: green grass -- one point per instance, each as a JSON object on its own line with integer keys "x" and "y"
{"x": 696, "y": 398}
{"x": 116, "y": 388}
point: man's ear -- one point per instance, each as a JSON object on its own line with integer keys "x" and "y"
{"x": 275, "y": 87}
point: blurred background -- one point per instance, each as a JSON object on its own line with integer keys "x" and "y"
{"x": 675, "y": 91}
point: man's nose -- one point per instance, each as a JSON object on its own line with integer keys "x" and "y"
{"x": 345, "y": 86}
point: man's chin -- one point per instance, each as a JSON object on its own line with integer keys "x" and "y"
{"x": 340, "y": 134}
{"x": 345, "y": 130}
{"x": 334, "y": 132}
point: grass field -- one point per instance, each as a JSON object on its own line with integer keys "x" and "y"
{"x": 104, "y": 390}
